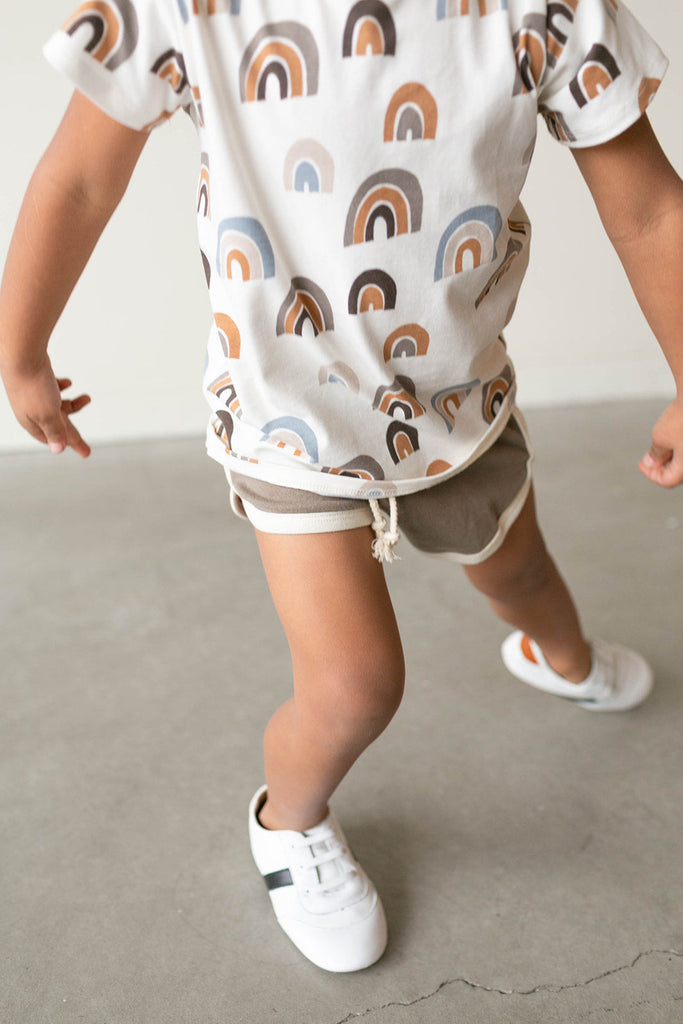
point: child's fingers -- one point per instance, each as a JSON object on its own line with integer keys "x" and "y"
{"x": 63, "y": 383}
{"x": 53, "y": 433}
{"x": 75, "y": 441}
{"x": 72, "y": 405}
{"x": 663, "y": 466}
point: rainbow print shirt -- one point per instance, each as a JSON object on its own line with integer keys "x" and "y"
{"x": 358, "y": 205}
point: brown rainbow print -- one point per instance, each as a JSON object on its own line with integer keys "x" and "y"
{"x": 285, "y": 51}
{"x": 109, "y": 27}
{"x": 369, "y": 30}
{"x": 393, "y": 196}
{"x": 598, "y": 71}
{"x": 372, "y": 290}
{"x": 305, "y": 302}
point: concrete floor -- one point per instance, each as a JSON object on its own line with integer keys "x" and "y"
{"x": 528, "y": 852}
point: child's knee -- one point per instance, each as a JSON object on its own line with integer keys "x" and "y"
{"x": 356, "y": 695}
{"x": 511, "y": 575}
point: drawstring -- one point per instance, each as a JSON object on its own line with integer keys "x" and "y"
{"x": 382, "y": 546}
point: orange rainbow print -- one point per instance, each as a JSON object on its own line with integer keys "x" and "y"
{"x": 402, "y": 440}
{"x": 398, "y": 399}
{"x": 171, "y": 66}
{"x": 111, "y": 28}
{"x": 228, "y": 335}
{"x": 408, "y": 340}
{"x": 411, "y": 114}
{"x": 285, "y": 51}
{"x": 370, "y": 30}
{"x": 393, "y": 196}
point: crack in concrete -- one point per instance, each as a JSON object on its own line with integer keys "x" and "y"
{"x": 512, "y": 991}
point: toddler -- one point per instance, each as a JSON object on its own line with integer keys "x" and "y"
{"x": 364, "y": 244}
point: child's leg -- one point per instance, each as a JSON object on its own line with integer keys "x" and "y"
{"x": 525, "y": 589}
{"x": 347, "y": 661}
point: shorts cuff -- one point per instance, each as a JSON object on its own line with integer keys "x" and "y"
{"x": 311, "y": 522}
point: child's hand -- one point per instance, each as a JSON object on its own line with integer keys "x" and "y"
{"x": 663, "y": 464}
{"x": 38, "y": 405}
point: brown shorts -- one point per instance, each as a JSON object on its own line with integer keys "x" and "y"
{"x": 465, "y": 518}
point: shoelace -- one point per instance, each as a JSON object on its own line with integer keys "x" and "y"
{"x": 319, "y": 858}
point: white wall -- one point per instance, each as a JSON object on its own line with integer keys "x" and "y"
{"x": 133, "y": 335}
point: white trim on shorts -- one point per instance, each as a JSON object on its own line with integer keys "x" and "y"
{"x": 351, "y": 519}
{"x": 307, "y": 522}
{"x": 504, "y": 523}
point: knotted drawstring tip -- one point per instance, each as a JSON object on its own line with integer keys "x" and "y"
{"x": 383, "y": 550}
{"x": 383, "y": 546}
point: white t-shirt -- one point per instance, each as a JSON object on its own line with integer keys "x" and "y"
{"x": 358, "y": 205}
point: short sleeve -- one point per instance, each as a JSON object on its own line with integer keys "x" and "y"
{"x": 126, "y": 57}
{"x": 601, "y": 70}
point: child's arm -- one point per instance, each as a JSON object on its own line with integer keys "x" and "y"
{"x": 72, "y": 194}
{"x": 639, "y": 197}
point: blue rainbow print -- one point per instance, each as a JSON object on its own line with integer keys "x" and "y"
{"x": 292, "y": 434}
{"x": 242, "y": 242}
{"x": 448, "y": 401}
{"x": 468, "y": 242}
{"x": 208, "y": 7}
{"x": 456, "y": 8}
{"x": 339, "y": 373}
{"x": 308, "y": 167}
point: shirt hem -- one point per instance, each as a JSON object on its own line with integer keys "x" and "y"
{"x": 338, "y": 486}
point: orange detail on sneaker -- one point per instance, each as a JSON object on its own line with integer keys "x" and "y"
{"x": 526, "y": 649}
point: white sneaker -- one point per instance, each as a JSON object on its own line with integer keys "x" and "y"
{"x": 619, "y": 679}
{"x": 321, "y": 896}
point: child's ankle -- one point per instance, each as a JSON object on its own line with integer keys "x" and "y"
{"x": 575, "y": 670}
{"x": 270, "y": 819}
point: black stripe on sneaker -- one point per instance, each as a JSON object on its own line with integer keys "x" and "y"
{"x": 278, "y": 879}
